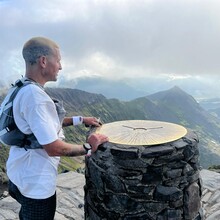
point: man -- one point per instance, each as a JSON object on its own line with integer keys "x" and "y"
{"x": 32, "y": 172}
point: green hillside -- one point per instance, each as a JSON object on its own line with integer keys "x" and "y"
{"x": 172, "y": 105}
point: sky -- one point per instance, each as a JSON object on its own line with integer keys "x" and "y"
{"x": 115, "y": 39}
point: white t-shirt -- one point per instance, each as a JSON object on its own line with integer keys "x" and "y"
{"x": 33, "y": 171}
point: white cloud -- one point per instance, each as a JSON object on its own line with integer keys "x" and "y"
{"x": 173, "y": 76}
{"x": 116, "y": 38}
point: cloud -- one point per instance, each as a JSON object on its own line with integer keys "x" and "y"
{"x": 116, "y": 38}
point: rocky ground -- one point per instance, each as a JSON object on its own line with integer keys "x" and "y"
{"x": 211, "y": 195}
{"x": 70, "y": 195}
{"x": 70, "y": 202}
{"x": 3, "y": 188}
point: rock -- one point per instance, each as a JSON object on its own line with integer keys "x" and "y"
{"x": 211, "y": 180}
{"x": 214, "y": 216}
{"x": 9, "y": 209}
{"x": 70, "y": 198}
{"x": 3, "y": 178}
{"x": 211, "y": 194}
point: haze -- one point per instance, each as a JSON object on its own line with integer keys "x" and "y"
{"x": 128, "y": 41}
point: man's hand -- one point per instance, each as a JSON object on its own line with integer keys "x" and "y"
{"x": 95, "y": 140}
{"x": 92, "y": 121}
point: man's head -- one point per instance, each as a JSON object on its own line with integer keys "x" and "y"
{"x": 37, "y": 47}
{"x": 42, "y": 58}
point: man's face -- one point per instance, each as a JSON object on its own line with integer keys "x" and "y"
{"x": 53, "y": 66}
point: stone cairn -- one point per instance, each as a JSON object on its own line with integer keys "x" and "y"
{"x": 159, "y": 182}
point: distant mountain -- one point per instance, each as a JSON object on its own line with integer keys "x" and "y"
{"x": 120, "y": 89}
{"x": 173, "y": 105}
{"x": 210, "y": 104}
{"x": 215, "y": 112}
{"x": 126, "y": 88}
{"x": 186, "y": 111}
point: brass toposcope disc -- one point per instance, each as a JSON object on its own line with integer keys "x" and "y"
{"x": 141, "y": 132}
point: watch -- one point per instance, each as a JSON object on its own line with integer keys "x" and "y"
{"x": 87, "y": 147}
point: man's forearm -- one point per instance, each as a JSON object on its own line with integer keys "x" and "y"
{"x": 68, "y": 121}
{"x": 61, "y": 148}
{"x": 75, "y": 120}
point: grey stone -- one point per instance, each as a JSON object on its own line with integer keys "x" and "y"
{"x": 113, "y": 183}
{"x": 7, "y": 214}
{"x": 214, "y": 216}
{"x": 206, "y": 197}
{"x": 125, "y": 154}
{"x": 171, "y": 214}
{"x": 211, "y": 181}
{"x": 156, "y": 151}
{"x": 215, "y": 198}
{"x": 173, "y": 173}
{"x": 192, "y": 201}
{"x": 73, "y": 183}
{"x": 164, "y": 193}
{"x": 160, "y": 174}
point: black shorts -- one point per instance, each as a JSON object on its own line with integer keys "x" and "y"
{"x": 33, "y": 209}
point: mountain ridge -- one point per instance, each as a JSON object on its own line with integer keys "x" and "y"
{"x": 173, "y": 105}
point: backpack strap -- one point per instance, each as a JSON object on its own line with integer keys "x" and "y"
{"x": 12, "y": 127}
{"x": 8, "y": 128}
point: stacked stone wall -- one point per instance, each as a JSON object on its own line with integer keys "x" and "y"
{"x": 144, "y": 182}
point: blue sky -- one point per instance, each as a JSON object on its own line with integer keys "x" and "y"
{"x": 164, "y": 39}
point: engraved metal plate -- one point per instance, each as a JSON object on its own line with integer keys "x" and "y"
{"x": 141, "y": 132}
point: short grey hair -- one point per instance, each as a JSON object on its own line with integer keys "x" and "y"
{"x": 37, "y": 47}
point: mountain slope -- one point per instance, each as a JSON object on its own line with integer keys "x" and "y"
{"x": 187, "y": 111}
{"x": 173, "y": 105}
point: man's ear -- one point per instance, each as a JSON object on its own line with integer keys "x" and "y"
{"x": 43, "y": 61}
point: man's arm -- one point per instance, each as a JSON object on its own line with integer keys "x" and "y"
{"x": 62, "y": 148}
{"x": 68, "y": 121}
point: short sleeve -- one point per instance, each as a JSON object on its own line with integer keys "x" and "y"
{"x": 35, "y": 112}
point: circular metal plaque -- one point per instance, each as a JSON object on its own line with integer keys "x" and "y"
{"x": 141, "y": 132}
